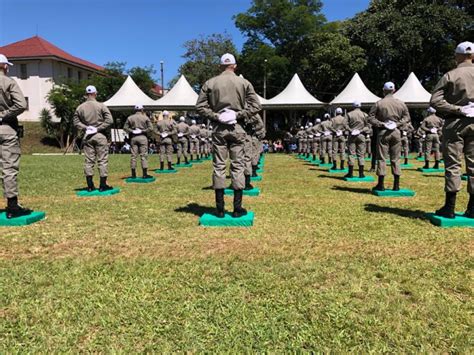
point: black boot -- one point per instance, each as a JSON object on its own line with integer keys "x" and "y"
{"x": 170, "y": 167}
{"x": 248, "y": 185}
{"x": 361, "y": 172}
{"x": 350, "y": 174}
{"x": 14, "y": 209}
{"x": 191, "y": 157}
{"x": 380, "y": 184}
{"x": 436, "y": 165}
{"x": 447, "y": 211}
{"x": 323, "y": 161}
{"x": 145, "y": 174}
{"x": 342, "y": 164}
{"x": 427, "y": 165}
{"x": 239, "y": 211}
{"x": 314, "y": 156}
{"x": 470, "y": 207}
{"x": 396, "y": 183}
{"x": 186, "y": 161}
{"x": 162, "y": 165}
{"x": 334, "y": 165}
{"x": 330, "y": 160}
{"x": 254, "y": 170}
{"x": 134, "y": 173}
{"x": 103, "y": 184}
{"x": 90, "y": 183}
{"x": 178, "y": 161}
{"x": 220, "y": 203}
{"x": 406, "y": 161}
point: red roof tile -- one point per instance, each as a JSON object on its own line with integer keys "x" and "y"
{"x": 39, "y": 47}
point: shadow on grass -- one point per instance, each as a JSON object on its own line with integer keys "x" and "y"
{"x": 208, "y": 188}
{"x": 340, "y": 178}
{"x": 196, "y": 209}
{"x": 81, "y": 189}
{"x": 433, "y": 176}
{"x": 357, "y": 190}
{"x": 413, "y": 214}
{"x": 319, "y": 169}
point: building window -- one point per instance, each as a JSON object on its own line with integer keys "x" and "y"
{"x": 69, "y": 73}
{"x": 27, "y": 99}
{"x": 89, "y": 76}
{"x": 23, "y": 71}
{"x": 79, "y": 75}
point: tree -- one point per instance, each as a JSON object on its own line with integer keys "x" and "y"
{"x": 203, "y": 57}
{"x": 401, "y": 36}
{"x": 64, "y": 99}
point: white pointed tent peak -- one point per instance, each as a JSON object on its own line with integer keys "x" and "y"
{"x": 293, "y": 96}
{"x": 181, "y": 97}
{"x": 355, "y": 90}
{"x": 128, "y": 96}
{"x": 413, "y": 93}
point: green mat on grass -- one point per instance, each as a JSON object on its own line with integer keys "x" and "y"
{"x": 22, "y": 220}
{"x": 209, "y": 220}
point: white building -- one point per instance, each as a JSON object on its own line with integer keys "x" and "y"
{"x": 37, "y": 65}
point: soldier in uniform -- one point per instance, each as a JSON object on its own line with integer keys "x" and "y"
{"x": 300, "y": 136}
{"x": 194, "y": 139}
{"x": 183, "y": 143}
{"x": 406, "y": 131}
{"x": 94, "y": 120}
{"x": 138, "y": 127}
{"x": 12, "y": 104}
{"x": 432, "y": 126}
{"x": 166, "y": 129}
{"x": 453, "y": 99}
{"x": 358, "y": 126}
{"x": 316, "y": 143}
{"x": 309, "y": 139}
{"x": 368, "y": 140}
{"x": 325, "y": 130}
{"x": 229, "y": 101}
{"x": 389, "y": 114}
{"x": 204, "y": 144}
{"x": 338, "y": 128}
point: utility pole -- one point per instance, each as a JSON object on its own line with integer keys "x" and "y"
{"x": 162, "y": 79}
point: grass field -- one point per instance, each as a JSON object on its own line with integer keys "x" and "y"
{"x": 327, "y": 266}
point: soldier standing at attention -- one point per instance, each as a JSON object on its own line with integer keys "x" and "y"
{"x": 389, "y": 114}
{"x": 431, "y": 126}
{"x": 138, "y": 126}
{"x": 326, "y": 138}
{"x": 229, "y": 101}
{"x": 204, "y": 144}
{"x": 94, "y": 120}
{"x": 183, "y": 143}
{"x": 300, "y": 136}
{"x": 406, "y": 131}
{"x": 12, "y": 103}
{"x": 316, "y": 144}
{"x": 453, "y": 98}
{"x": 166, "y": 130}
{"x": 358, "y": 127}
{"x": 194, "y": 138}
{"x": 338, "y": 127}
{"x": 309, "y": 139}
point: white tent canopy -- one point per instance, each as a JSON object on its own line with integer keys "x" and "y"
{"x": 294, "y": 96}
{"x": 128, "y": 96}
{"x": 355, "y": 90}
{"x": 413, "y": 93}
{"x": 180, "y": 97}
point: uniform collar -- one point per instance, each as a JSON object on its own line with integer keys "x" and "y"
{"x": 91, "y": 99}
{"x": 465, "y": 64}
{"x": 228, "y": 72}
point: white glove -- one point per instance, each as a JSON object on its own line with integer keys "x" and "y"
{"x": 318, "y": 134}
{"x": 91, "y": 130}
{"x": 137, "y": 131}
{"x": 404, "y": 133}
{"x": 193, "y": 136}
{"x": 434, "y": 130}
{"x": 355, "y": 132}
{"x": 164, "y": 135}
{"x": 327, "y": 133}
{"x": 310, "y": 136}
{"x": 180, "y": 134}
{"x": 390, "y": 125}
{"x": 368, "y": 136}
{"x": 424, "y": 135}
{"x": 228, "y": 116}
{"x": 338, "y": 133}
{"x": 468, "y": 110}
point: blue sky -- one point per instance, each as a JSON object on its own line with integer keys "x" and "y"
{"x": 139, "y": 32}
